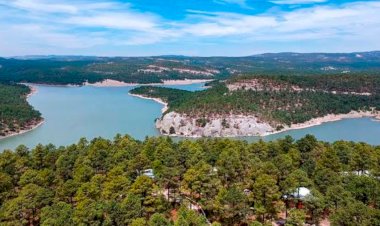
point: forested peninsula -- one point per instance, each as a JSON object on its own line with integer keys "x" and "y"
{"x": 159, "y": 182}
{"x": 16, "y": 115}
{"x": 255, "y": 105}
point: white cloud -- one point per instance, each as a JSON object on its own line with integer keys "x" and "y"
{"x": 37, "y": 34}
{"x": 126, "y": 20}
{"x": 66, "y": 7}
{"x": 68, "y": 24}
{"x": 105, "y": 14}
{"x": 73, "y": 25}
{"x": 224, "y": 24}
{"x": 352, "y": 20}
{"x": 37, "y": 5}
{"x": 347, "y": 21}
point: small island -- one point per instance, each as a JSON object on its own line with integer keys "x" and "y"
{"x": 258, "y": 105}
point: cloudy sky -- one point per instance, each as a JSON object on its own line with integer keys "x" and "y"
{"x": 186, "y": 27}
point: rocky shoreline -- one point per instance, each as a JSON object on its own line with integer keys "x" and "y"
{"x": 29, "y": 128}
{"x": 331, "y": 118}
{"x": 176, "y": 124}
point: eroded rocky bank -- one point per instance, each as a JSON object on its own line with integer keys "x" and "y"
{"x": 176, "y": 124}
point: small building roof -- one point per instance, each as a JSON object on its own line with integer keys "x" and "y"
{"x": 301, "y": 193}
{"x": 148, "y": 173}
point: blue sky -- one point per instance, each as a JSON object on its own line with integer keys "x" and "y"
{"x": 186, "y": 27}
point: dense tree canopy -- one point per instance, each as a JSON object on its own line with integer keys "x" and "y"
{"x": 15, "y": 112}
{"x": 218, "y": 181}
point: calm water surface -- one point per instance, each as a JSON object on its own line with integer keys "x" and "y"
{"x": 359, "y": 129}
{"x": 74, "y": 112}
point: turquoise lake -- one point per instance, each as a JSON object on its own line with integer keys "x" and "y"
{"x": 74, "y": 112}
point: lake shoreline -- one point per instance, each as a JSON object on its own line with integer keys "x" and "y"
{"x": 33, "y": 90}
{"x": 158, "y": 100}
{"x": 116, "y": 83}
{"x": 48, "y": 85}
{"x": 330, "y": 118}
{"x": 34, "y": 125}
{"x": 170, "y": 119}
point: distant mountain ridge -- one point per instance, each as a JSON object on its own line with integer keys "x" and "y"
{"x": 375, "y": 53}
{"x": 372, "y": 55}
{"x": 53, "y": 69}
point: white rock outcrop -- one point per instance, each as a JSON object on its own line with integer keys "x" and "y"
{"x": 177, "y": 124}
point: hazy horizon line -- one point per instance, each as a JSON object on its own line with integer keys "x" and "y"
{"x": 181, "y": 55}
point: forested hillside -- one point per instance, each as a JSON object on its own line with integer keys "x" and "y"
{"x": 15, "y": 112}
{"x": 159, "y": 182}
{"x": 79, "y": 69}
{"x": 355, "y": 83}
{"x": 279, "y": 100}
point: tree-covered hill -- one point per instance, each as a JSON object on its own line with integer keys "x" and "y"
{"x": 79, "y": 69}
{"x": 159, "y": 182}
{"x": 279, "y": 100}
{"x": 339, "y": 83}
{"x": 15, "y": 112}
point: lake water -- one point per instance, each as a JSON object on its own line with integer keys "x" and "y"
{"x": 74, "y": 112}
{"x": 358, "y": 129}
